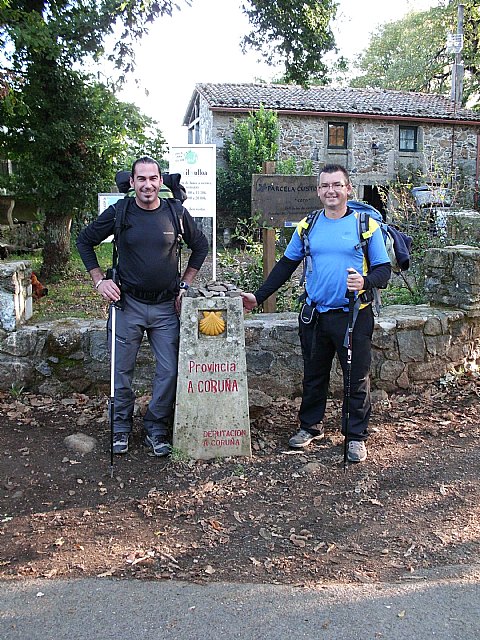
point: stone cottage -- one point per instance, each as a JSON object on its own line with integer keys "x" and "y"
{"x": 376, "y": 134}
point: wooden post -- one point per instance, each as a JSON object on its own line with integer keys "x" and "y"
{"x": 269, "y": 166}
{"x": 270, "y": 305}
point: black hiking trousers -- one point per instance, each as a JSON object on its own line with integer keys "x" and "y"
{"x": 321, "y": 339}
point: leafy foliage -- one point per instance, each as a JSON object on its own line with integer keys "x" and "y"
{"x": 64, "y": 131}
{"x": 66, "y": 135}
{"x": 64, "y": 159}
{"x": 411, "y": 54}
{"x": 426, "y": 225}
{"x": 73, "y": 31}
{"x": 254, "y": 141}
{"x": 244, "y": 266}
{"x": 289, "y": 167}
{"x": 297, "y": 32}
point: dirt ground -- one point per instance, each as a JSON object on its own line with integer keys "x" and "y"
{"x": 280, "y": 517}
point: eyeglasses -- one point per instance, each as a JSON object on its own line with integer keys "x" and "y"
{"x": 336, "y": 186}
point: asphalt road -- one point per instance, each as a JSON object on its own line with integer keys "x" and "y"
{"x": 441, "y": 605}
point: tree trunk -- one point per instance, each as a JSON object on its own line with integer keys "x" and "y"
{"x": 56, "y": 250}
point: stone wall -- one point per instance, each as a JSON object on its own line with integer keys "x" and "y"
{"x": 15, "y": 294}
{"x": 410, "y": 345}
{"x": 463, "y": 227}
{"x": 453, "y": 277}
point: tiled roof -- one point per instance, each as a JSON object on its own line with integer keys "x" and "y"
{"x": 345, "y": 100}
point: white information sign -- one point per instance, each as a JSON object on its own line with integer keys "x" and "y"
{"x": 197, "y": 165}
{"x": 104, "y": 201}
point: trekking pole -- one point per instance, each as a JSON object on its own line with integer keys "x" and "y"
{"x": 351, "y": 306}
{"x": 113, "y": 320}
{"x": 113, "y": 326}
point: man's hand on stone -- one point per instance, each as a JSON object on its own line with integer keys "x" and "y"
{"x": 249, "y": 301}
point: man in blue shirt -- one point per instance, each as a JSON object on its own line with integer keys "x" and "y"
{"x": 337, "y": 264}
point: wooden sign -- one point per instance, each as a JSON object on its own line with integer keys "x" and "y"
{"x": 281, "y": 199}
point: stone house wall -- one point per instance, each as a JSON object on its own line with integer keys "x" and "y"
{"x": 305, "y": 138}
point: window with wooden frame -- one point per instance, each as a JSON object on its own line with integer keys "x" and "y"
{"x": 337, "y": 135}
{"x": 408, "y": 139}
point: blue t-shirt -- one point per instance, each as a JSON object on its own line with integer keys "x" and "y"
{"x": 335, "y": 247}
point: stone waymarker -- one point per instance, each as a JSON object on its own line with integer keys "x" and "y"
{"x": 211, "y": 410}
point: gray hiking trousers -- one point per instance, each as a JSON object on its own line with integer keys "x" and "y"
{"x": 161, "y": 324}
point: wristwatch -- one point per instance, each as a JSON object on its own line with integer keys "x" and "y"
{"x": 184, "y": 285}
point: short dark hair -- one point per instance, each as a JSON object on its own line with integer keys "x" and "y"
{"x": 332, "y": 168}
{"x": 145, "y": 160}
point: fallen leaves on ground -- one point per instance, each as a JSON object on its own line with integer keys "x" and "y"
{"x": 280, "y": 516}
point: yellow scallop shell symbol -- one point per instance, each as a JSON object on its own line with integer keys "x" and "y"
{"x": 212, "y": 323}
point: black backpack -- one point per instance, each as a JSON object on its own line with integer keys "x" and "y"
{"x": 170, "y": 180}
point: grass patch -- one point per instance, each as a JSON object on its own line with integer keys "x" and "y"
{"x": 177, "y": 455}
{"x": 72, "y": 296}
{"x": 400, "y": 295}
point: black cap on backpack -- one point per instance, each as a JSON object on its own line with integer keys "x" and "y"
{"x": 122, "y": 180}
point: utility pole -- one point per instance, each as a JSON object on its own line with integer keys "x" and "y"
{"x": 455, "y": 45}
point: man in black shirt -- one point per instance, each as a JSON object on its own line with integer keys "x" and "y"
{"x": 150, "y": 289}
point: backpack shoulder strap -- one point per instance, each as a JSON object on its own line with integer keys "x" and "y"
{"x": 120, "y": 208}
{"x": 367, "y": 225}
{"x": 366, "y": 228}
{"x": 365, "y": 231}
{"x": 120, "y": 213}
{"x": 363, "y": 225}
{"x": 176, "y": 210}
{"x": 305, "y": 225}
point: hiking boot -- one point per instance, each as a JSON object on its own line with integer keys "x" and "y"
{"x": 120, "y": 442}
{"x": 356, "y": 451}
{"x": 158, "y": 445}
{"x": 303, "y": 438}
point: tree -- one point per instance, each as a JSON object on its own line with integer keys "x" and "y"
{"x": 411, "y": 54}
{"x": 65, "y": 139}
{"x": 64, "y": 130}
{"x": 254, "y": 141}
{"x": 296, "y": 32}
{"x": 54, "y": 128}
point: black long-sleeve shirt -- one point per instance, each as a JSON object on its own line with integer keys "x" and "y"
{"x": 147, "y": 245}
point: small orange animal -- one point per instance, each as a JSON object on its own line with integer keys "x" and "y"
{"x": 38, "y": 290}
